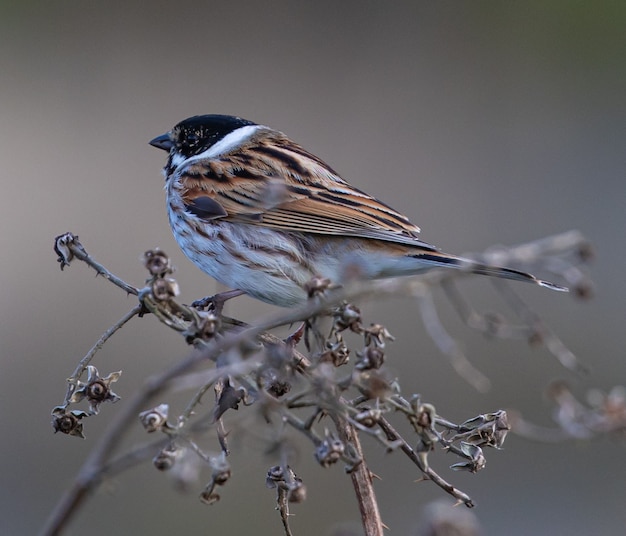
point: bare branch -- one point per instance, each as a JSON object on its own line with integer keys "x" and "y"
{"x": 248, "y": 366}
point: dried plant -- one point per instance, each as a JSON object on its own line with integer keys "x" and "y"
{"x": 312, "y": 383}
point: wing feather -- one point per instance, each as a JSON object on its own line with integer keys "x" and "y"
{"x": 273, "y": 182}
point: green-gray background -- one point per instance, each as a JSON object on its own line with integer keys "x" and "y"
{"x": 484, "y": 122}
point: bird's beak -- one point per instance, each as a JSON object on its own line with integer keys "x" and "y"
{"x": 162, "y": 142}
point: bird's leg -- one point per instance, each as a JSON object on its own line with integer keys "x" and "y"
{"x": 216, "y": 302}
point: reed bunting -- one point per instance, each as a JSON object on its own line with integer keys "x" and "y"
{"x": 259, "y": 213}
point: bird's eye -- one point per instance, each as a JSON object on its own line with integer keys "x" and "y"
{"x": 193, "y": 138}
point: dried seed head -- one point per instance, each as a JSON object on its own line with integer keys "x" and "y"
{"x": 348, "y": 316}
{"x": 369, "y": 417}
{"x": 297, "y": 494}
{"x": 63, "y": 245}
{"x": 336, "y": 353}
{"x": 220, "y": 469}
{"x": 210, "y": 324}
{"x": 68, "y": 422}
{"x": 164, "y": 289}
{"x": 426, "y": 416}
{"x": 166, "y": 458}
{"x": 274, "y": 382}
{"x": 274, "y": 475}
{"x": 157, "y": 262}
{"x": 475, "y": 459}
{"x": 330, "y": 450}
{"x": 377, "y": 335}
{"x": 154, "y": 419}
{"x": 96, "y": 389}
{"x": 208, "y": 496}
{"x": 372, "y": 357}
{"x": 372, "y": 383}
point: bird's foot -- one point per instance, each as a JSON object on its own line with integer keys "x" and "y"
{"x": 216, "y": 302}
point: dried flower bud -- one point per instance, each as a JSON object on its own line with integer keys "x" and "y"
{"x": 297, "y": 494}
{"x": 377, "y": 335}
{"x": 96, "y": 389}
{"x": 154, "y": 419}
{"x": 205, "y": 326}
{"x": 286, "y": 479}
{"x": 275, "y": 475}
{"x": 489, "y": 429}
{"x": 220, "y": 473}
{"x": 348, "y": 316}
{"x": 166, "y": 458}
{"x": 64, "y": 245}
{"x": 220, "y": 469}
{"x": 336, "y": 353}
{"x": 68, "y": 422}
{"x": 157, "y": 262}
{"x": 372, "y": 357}
{"x": 329, "y": 451}
{"x": 500, "y": 430}
{"x": 426, "y": 416}
{"x": 164, "y": 289}
{"x": 476, "y": 459}
{"x": 210, "y": 324}
{"x": 273, "y": 382}
{"x": 372, "y": 383}
{"x": 208, "y": 496}
{"x": 369, "y": 417}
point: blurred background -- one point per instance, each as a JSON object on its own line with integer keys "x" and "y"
{"x": 484, "y": 122}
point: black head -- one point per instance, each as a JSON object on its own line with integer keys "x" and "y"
{"x": 196, "y": 134}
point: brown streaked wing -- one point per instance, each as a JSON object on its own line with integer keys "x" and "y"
{"x": 313, "y": 200}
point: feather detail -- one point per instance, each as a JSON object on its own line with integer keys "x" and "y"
{"x": 272, "y": 182}
{"x": 445, "y": 259}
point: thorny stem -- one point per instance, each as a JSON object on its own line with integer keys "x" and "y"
{"x": 99, "y": 461}
{"x": 194, "y": 402}
{"x": 362, "y": 479}
{"x": 283, "y": 507}
{"x": 429, "y": 474}
{"x": 80, "y": 253}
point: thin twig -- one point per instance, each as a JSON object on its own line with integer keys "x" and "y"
{"x": 429, "y": 474}
{"x": 361, "y": 478}
{"x": 68, "y": 246}
{"x": 540, "y": 332}
{"x": 447, "y": 345}
{"x": 101, "y": 458}
{"x": 84, "y": 362}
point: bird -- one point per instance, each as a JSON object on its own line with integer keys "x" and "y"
{"x": 264, "y": 216}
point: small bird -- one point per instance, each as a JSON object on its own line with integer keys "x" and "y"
{"x": 261, "y": 214}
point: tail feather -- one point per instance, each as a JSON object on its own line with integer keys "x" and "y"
{"x": 485, "y": 269}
